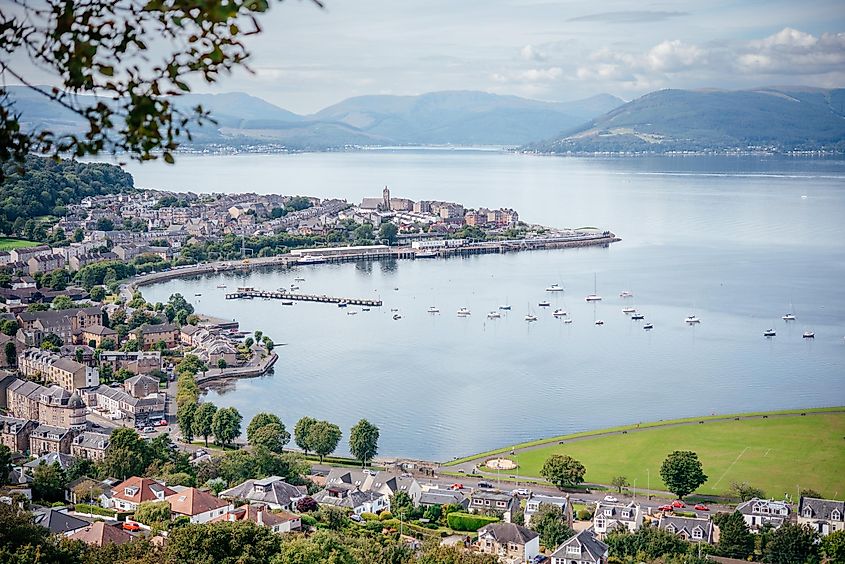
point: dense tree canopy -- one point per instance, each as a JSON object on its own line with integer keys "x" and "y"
{"x": 363, "y": 441}
{"x": 682, "y": 472}
{"x": 563, "y": 470}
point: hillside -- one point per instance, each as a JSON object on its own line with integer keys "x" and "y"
{"x": 779, "y": 119}
{"x": 456, "y": 118}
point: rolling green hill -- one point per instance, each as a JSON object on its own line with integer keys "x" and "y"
{"x": 775, "y": 119}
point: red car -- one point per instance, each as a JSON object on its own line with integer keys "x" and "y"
{"x": 667, "y": 507}
{"x": 701, "y": 507}
{"x": 678, "y": 504}
{"x": 129, "y": 526}
{"x": 456, "y": 487}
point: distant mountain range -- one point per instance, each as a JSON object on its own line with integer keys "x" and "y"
{"x": 448, "y": 118}
{"x": 778, "y": 118}
{"x": 775, "y": 118}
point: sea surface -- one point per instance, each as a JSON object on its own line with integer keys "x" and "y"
{"x": 737, "y": 241}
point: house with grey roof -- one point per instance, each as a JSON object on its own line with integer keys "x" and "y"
{"x": 610, "y": 517}
{"x": 824, "y": 516}
{"x": 508, "y": 541}
{"x": 694, "y": 529}
{"x": 59, "y": 522}
{"x": 492, "y": 502}
{"x": 15, "y": 432}
{"x": 273, "y": 491}
{"x": 64, "y": 461}
{"x": 380, "y": 482}
{"x": 90, "y": 445}
{"x": 437, "y": 496}
{"x": 582, "y": 548}
{"x": 350, "y": 497}
{"x": 764, "y": 512}
{"x": 534, "y": 501}
{"x": 45, "y": 439}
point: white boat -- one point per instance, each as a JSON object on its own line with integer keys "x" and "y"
{"x": 294, "y": 287}
{"x": 560, "y": 313}
{"x": 637, "y": 316}
{"x": 463, "y": 312}
{"x": 221, "y": 285}
{"x": 626, "y": 294}
{"x": 594, "y": 297}
{"x": 433, "y": 309}
{"x": 629, "y": 310}
{"x": 365, "y": 309}
{"x": 788, "y": 317}
{"x": 692, "y": 319}
{"x": 308, "y": 259}
{"x": 554, "y": 288}
{"x": 599, "y": 322}
{"x": 809, "y": 335}
{"x": 494, "y": 315}
{"x": 505, "y": 307}
{"x": 198, "y": 295}
{"x": 396, "y": 317}
{"x": 530, "y": 317}
{"x": 394, "y": 309}
{"x": 351, "y": 312}
{"x": 299, "y": 279}
{"x": 769, "y": 333}
{"x": 648, "y": 326}
{"x": 287, "y": 303}
{"x": 544, "y": 304}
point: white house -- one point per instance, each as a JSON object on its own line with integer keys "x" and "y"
{"x": 759, "y": 512}
{"x": 616, "y": 516}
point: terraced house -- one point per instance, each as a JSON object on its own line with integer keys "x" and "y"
{"x": 150, "y": 335}
{"x": 764, "y": 512}
{"x": 825, "y": 516}
{"x": 53, "y": 406}
{"x": 47, "y": 438}
{"x": 90, "y": 445}
{"x": 62, "y": 371}
{"x": 14, "y": 432}
{"x": 35, "y": 325}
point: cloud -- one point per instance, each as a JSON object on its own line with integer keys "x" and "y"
{"x": 791, "y": 51}
{"x": 529, "y": 75}
{"x": 530, "y": 53}
{"x": 674, "y": 56}
{"x": 633, "y": 16}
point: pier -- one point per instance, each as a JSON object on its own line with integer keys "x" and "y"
{"x": 250, "y": 293}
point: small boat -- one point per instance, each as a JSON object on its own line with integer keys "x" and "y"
{"x": 282, "y": 290}
{"x": 198, "y": 295}
{"x": 567, "y": 321}
{"x": 394, "y": 309}
{"x": 294, "y": 287}
{"x": 809, "y": 335}
{"x": 425, "y": 254}
{"x": 299, "y": 279}
{"x": 769, "y": 333}
{"x": 788, "y": 317}
{"x": 530, "y": 317}
{"x": 599, "y": 322}
{"x": 287, "y": 303}
{"x": 594, "y": 297}
{"x": 544, "y": 304}
{"x": 560, "y": 313}
{"x": 351, "y": 312}
{"x": 396, "y": 289}
{"x": 365, "y": 309}
{"x": 463, "y": 312}
{"x": 433, "y": 309}
{"x": 494, "y": 315}
{"x": 554, "y": 288}
{"x": 638, "y": 317}
{"x": 691, "y": 319}
{"x": 396, "y": 317}
{"x": 629, "y": 310}
{"x": 626, "y": 294}
{"x": 505, "y": 307}
{"x": 648, "y": 326}
{"x": 342, "y": 304}
{"x": 221, "y": 285}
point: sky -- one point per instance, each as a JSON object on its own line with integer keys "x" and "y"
{"x": 307, "y": 58}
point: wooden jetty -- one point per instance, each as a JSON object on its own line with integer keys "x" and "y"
{"x": 250, "y": 293}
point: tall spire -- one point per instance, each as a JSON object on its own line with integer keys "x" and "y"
{"x": 385, "y": 196}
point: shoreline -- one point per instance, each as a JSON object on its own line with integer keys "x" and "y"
{"x": 636, "y": 427}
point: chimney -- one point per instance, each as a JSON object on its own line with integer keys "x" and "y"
{"x": 260, "y": 516}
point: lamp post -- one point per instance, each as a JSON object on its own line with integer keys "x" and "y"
{"x": 648, "y": 483}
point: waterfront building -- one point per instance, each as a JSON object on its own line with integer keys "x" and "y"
{"x": 490, "y": 502}
{"x": 35, "y": 325}
{"x": 534, "y": 501}
{"x": 150, "y": 335}
{"x": 610, "y": 517}
{"x": 120, "y": 404}
{"x": 379, "y": 482}
{"x": 352, "y": 498}
{"x": 137, "y": 362}
{"x": 94, "y": 335}
{"x": 764, "y": 512}
{"x": 824, "y": 516}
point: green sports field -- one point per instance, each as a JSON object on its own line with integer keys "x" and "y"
{"x": 8, "y": 244}
{"x": 777, "y": 454}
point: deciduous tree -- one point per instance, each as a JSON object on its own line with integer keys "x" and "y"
{"x": 682, "y": 472}
{"x": 551, "y": 524}
{"x": 300, "y": 433}
{"x": 735, "y": 539}
{"x": 619, "y": 482}
{"x": 226, "y": 425}
{"x": 363, "y": 441}
{"x": 563, "y": 471}
{"x": 324, "y": 438}
{"x": 833, "y": 546}
{"x": 48, "y": 482}
{"x": 203, "y": 419}
{"x": 792, "y": 543}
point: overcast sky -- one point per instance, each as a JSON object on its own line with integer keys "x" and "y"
{"x": 308, "y": 58}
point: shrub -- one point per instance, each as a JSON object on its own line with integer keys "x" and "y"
{"x": 308, "y": 520}
{"x": 366, "y": 516}
{"x": 584, "y": 515}
{"x": 94, "y": 510}
{"x": 385, "y": 515}
{"x": 460, "y": 521}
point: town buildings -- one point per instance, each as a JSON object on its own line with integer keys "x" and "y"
{"x": 824, "y": 516}
{"x": 610, "y": 517}
{"x": 47, "y": 366}
{"x": 199, "y": 506}
{"x": 534, "y": 501}
{"x": 35, "y": 325}
{"x": 53, "y": 406}
{"x": 14, "y": 433}
{"x": 273, "y": 492}
{"x": 90, "y": 445}
{"x": 277, "y": 521}
{"x": 47, "y": 438}
{"x": 694, "y": 529}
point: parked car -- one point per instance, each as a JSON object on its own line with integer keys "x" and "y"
{"x": 130, "y": 526}
{"x": 667, "y": 507}
{"x": 521, "y": 491}
{"x": 162, "y": 422}
{"x": 610, "y": 499}
{"x": 678, "y": 504}
{"x": 456, "y": 487}
{"x": 149, "y": 430}
{"x": 484, "y": 485}
{"x": 701, "y": 507}
{"x": 356, "y": 518}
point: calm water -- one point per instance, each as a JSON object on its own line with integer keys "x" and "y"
{"x": 734, "y": 240}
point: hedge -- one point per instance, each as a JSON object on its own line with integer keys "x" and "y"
{"x": 369, "y": 516}
{"x": 94, "y": 510}
{"x": 459, "y": 521}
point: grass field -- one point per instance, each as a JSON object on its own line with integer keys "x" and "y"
{"x": 7, "y": 244}
{"x": 778, "y": 454}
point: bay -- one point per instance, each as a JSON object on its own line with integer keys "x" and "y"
{"x": 734, "y": 240}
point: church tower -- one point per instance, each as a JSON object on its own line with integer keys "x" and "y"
{"x": 385, "y": 196}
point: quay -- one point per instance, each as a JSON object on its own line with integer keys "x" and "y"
{"x": 250, "y": 293}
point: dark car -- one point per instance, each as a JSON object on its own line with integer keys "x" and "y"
{"x": 485, "y": 485}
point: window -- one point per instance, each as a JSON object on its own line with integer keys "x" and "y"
{"x": 808, "y": 512}
{"x": 835, "y": 516}
{"x": 670, "y": 528}
{"x": 573, "y": 549}
{"x": 696, "y": 533}
{"x": 608, "y": 512}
